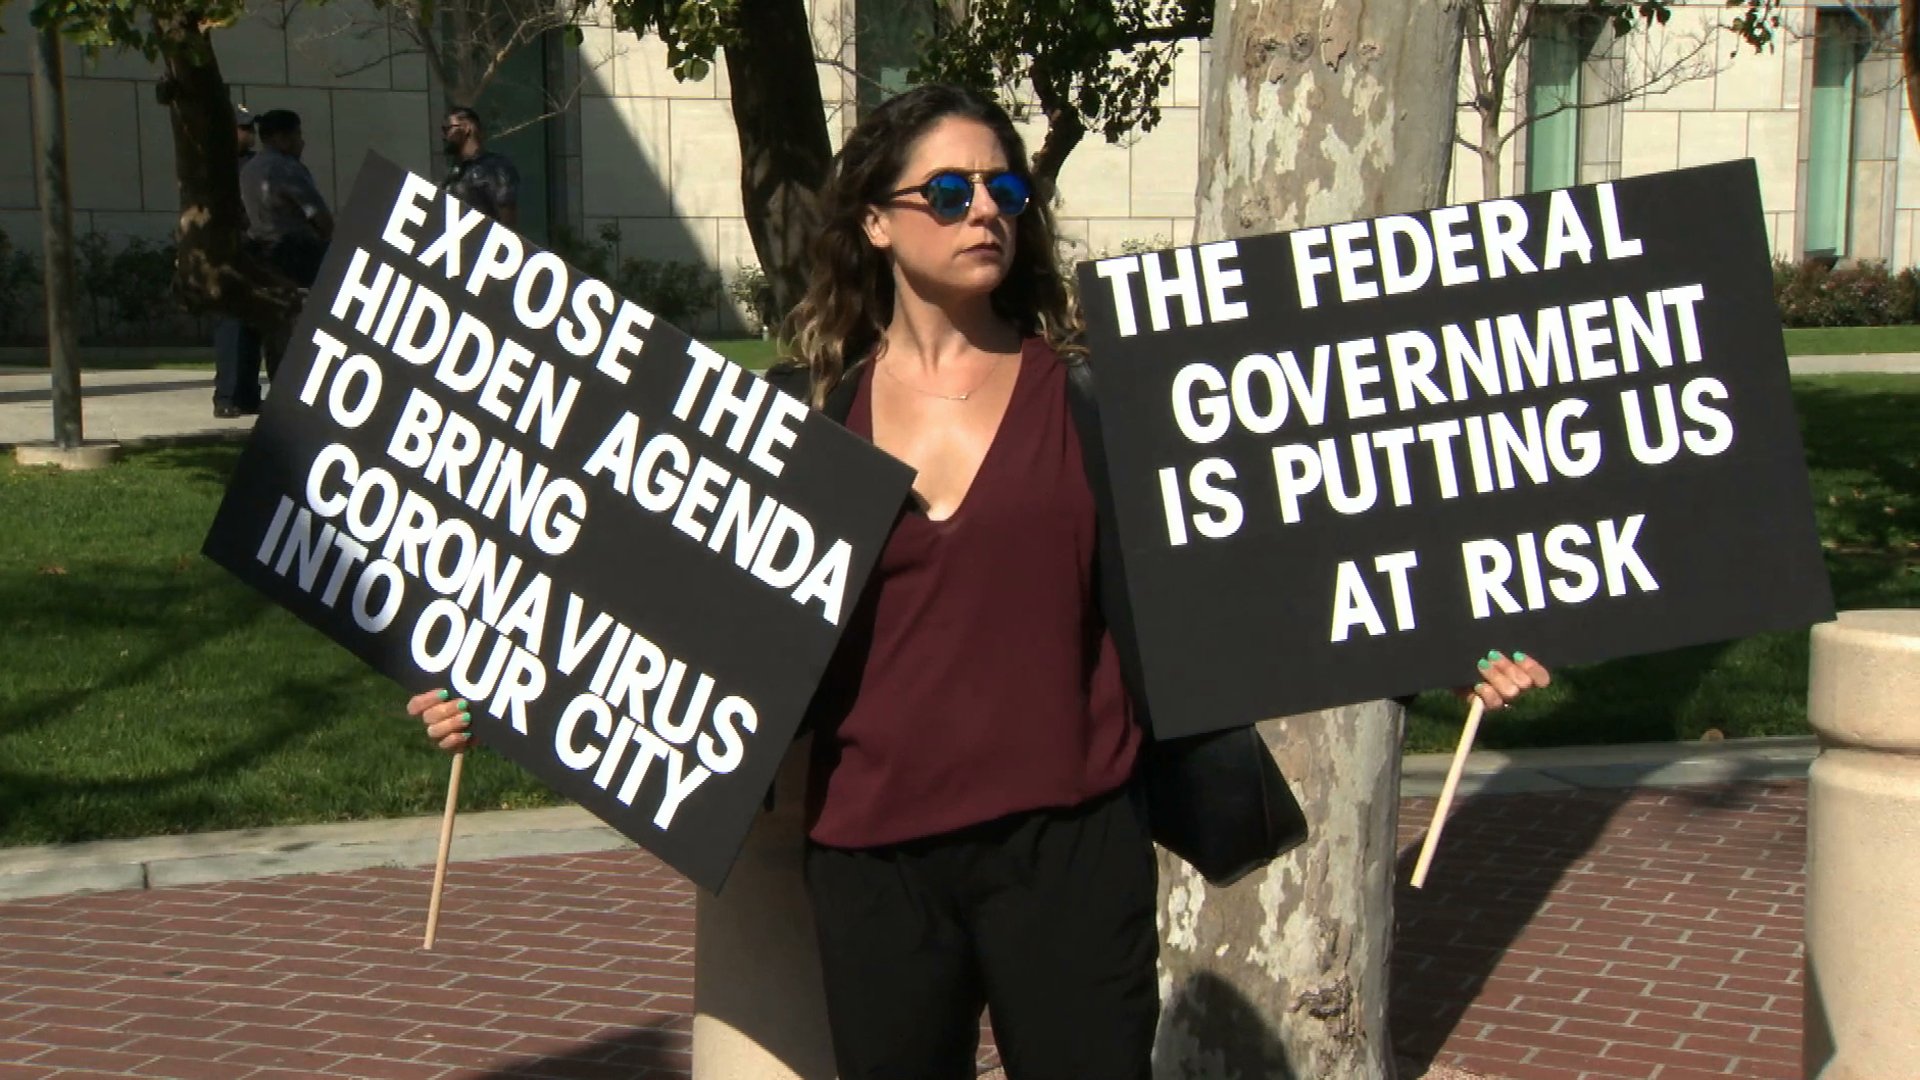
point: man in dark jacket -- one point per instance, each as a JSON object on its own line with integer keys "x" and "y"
{"x": 482, "y": 179}
{"x": 286, "y": 214}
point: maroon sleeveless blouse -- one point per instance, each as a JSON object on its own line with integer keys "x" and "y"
{"x": 976, "y": 678}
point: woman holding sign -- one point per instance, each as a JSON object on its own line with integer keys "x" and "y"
{"x": 973, "y": 839}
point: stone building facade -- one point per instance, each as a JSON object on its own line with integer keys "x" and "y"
{"x": 1822, "y": 113}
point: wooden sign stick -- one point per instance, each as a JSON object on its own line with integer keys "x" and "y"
{"x": 446, "y": 845}
{"x": 1446, "y": 791}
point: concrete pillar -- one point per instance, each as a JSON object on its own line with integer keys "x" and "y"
{"x": 758, "y": 1009}
{"x": 1863, "y": 848}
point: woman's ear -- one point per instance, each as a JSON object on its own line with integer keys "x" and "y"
{"x": 874, "y": 223}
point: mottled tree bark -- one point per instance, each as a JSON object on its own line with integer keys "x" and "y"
{"x": 215, "y": 271}
{"x": 1316, "y": 112}
{"x": 784, "y": 149}
{"x": 1065, "y": 126}
{"x": 1327, "y": 111}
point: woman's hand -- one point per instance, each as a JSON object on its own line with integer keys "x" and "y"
{"x": 446, "y": 720}
{"x": 1503, "y": 679}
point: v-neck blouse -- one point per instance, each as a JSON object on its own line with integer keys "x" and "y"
{"x": 976, "y": 679}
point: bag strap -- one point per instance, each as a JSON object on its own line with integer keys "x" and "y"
{"x": 796, "y": 379}
{"x": 1109, "y": 572}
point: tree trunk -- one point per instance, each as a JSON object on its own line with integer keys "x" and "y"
{"x": 1489, "y": 150}
{"x": 784, "y": 149}
{"x": 214, "y": 269}
{"x": 1065, "y": 128}
{"x": 1374, "y": 84}
{"x": 51, "y": 183}
{"x": 1284, "y": 975}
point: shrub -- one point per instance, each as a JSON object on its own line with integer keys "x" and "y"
{"x": 674, "y": 291}
{"x": 144, "y": 304}
{"x": 93, "y": 276}
{"x": 752, "y": 290}
{"x": 594, "y": 256}
{"x": 1812, "y": 293}
{"x": 19, "y": 286}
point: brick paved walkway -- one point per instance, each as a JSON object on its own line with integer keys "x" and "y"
{"x": 1650, "y": 934}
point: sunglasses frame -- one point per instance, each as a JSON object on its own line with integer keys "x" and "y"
{"x": 975, "y": 178}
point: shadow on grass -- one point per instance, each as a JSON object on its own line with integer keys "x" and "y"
{"x": 208, "y": 462}
{"x": 38, "y": 794}
{"x": 41, "y": 603}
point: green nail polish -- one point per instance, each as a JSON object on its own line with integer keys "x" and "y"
{"x": 1520, "y": 656}
{"x": 1485, "y": 664}
{"x": 442, "y": 692}
{"x": 1494, "y": 655}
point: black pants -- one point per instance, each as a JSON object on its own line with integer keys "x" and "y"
{"x": 236, "y": 364}
{"x": 298, "y": 257}
{"x": 1046, "y": 918}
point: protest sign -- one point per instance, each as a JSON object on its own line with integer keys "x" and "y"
{"x": 481, "y": 468}
{"x": 1349, "y": 460}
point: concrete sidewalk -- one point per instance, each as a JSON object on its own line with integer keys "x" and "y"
{"x": 248, "y": 854}
{"x": 133, "y": 408}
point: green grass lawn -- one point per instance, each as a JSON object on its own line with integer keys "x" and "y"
{"x": 1847, "y": 340}
{"x": 144, "y": 691}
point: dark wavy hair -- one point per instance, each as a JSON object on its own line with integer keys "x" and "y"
{"x": 849, "y": 297}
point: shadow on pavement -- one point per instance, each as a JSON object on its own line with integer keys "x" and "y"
{"x": 638, "y": 1053}
{"x": 1212, "y": 1012}
{"x": 13, "y": 397}
{"x": 1499, "y": 862}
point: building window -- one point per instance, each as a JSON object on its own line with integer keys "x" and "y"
{"x": 1556, "y": 50}
{"x": 1837, "y": 50}
{"x": 514, "y": 107}
{"x": 888, "y": 40}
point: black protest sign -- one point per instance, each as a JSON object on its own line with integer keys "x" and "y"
{"x": 1348, "y": 461}
{"x": 481, "y": 468}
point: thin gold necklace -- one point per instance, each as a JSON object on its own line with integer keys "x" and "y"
{"x": 994, "y": 367}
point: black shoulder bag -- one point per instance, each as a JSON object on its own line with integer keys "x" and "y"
{"x": 1216, "y": 800}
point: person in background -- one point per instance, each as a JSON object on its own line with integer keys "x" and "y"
{"x": 479, "y": 177}
{"x": 974, "y": 835}
{"x": 286, "y": 214}
{"x": 236, "y": 346}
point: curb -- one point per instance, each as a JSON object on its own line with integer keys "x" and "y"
{"x": 245, "y": 854}
{"x": 1612, "y": 768}
{"x": 206, "y": 858}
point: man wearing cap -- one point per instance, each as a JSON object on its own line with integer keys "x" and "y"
{"x": 482, "y": 179}
{"x": 236, "y": 346}
{"x": 286, "y": 213}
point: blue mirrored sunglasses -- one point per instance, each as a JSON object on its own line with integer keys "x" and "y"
{"x": 949, "y": 193}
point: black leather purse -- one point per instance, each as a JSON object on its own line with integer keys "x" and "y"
{"x": 1220, "y": 803}
{"x": 1217, "y": 800}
